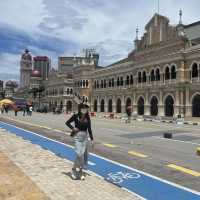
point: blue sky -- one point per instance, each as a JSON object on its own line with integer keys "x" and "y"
{"x": 63, "y": 27}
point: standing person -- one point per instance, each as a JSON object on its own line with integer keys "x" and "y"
{"x": 24, "y": 110}
{"x": 129, "y": 113}
{"x": 82, "y": 126}
{"x": 30, "y": 110}
{"x": 27, "y": 110}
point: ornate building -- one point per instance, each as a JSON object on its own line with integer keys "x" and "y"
{"x": 160, "y": 77}
{"x": 73, "y": 78}
{"x": 25, "y": 69}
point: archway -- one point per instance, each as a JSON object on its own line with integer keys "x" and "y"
{"x": 154, "y": 106}
{"x": 110, "y": 105}
{"x": 119, "y": 107}
{"x": 69, "y": 106}
{"x": 196, "y": 106}
{"x": 102, "y": 105}
{"x": 169, "y": 106}
{"x": 195, "y": 70}
{"x": 128, "y": 102}
{"x": 95, "y": 105}
{"x": 140, "y": 106}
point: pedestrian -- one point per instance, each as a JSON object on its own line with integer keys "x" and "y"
{"x": 24, "y": 110}
{"x": 30, "y": 110}
{"x": 16, "y": 110}
{"x": 27, "y": 110}
{"x": 129, "y": 113}
{"x": 80, "y": 130}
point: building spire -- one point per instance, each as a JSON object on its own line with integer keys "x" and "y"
{"x": 137, "y": 30}
{"x": 180, "y": 15}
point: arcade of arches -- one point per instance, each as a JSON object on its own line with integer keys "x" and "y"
{"x": 167, "y": 108}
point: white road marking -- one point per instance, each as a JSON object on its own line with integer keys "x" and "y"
{"x": 117, "y": 163}
{"x": 91, "y": 163}
{"x": 187, "y": 142}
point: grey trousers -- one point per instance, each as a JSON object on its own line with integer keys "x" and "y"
{"x": 81, "y": 143}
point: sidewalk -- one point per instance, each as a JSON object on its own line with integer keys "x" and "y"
{"x": 28, "y": 172}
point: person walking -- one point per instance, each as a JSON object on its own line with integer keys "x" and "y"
{"x": 129, "y": 113}
{"x": 80, "y": 130}
{"x": 30, "y": 110}
{"x": 24, "y": 110}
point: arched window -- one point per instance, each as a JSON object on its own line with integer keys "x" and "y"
{"x": 127, "y": 80}
{"x": 67, "y": 91}
{"x": 83, "y": 83}
{"x": 71, "y": 91}
{"x": 87, "y": 83}
{"x": 97, "y": 83}
{"x": 95, "y": 105}
{"x": 121, "y": 81}
{"x": 139, "y": 77}
{"x": 157, "y": 75}
{"x": 101, "y": 83}
{"x": 118, "y": 82}
{"x": 102, "y": 105}
{"x": 173, "y": 72}
{"x": 131, "y": 80}
{"x": 167, "y": 73}
{"x": 113, "y": 82}
{"x": 195, "y": 70}
{"x": 152, "y": 75}
{"x": 109, "y": 83}
{"x": 104, "y": 83}
{"x": 144, "y": 77}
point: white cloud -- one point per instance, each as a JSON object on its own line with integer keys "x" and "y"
{"x": 107, "y": 25}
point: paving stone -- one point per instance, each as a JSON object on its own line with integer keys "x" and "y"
{"x": 48, "y": 172}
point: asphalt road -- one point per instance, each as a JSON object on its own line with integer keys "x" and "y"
{"x": 139, "y": 144}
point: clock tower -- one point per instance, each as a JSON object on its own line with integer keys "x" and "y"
{"x": 25, "y": 69}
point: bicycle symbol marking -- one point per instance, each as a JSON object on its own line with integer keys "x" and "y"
{"x": 119, "y": 177}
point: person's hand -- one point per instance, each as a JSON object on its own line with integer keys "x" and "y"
{"x": 75, "y": 130}
{"x": 92, "y": 143}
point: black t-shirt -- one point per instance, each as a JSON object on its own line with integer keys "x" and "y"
{"x": 84, "y": 125}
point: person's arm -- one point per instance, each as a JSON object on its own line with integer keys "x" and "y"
{"x": 89, "y": 129}
{"x": 69, "y": 121}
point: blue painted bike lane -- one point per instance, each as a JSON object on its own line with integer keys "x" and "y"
{"x": 138, "y": 182}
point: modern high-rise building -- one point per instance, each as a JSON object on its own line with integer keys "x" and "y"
{"x": 42, "y": 64}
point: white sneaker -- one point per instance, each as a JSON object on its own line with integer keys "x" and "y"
{"x": 82, "y": 177}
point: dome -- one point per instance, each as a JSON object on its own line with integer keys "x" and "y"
{"x": 35, "y": 73}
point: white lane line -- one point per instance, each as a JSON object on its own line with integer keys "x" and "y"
{"x": 187, "y": 142}
{"x": 115, "y": 130}
{"x": 91, "y": 163}
{"x": 117, "y": 163}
